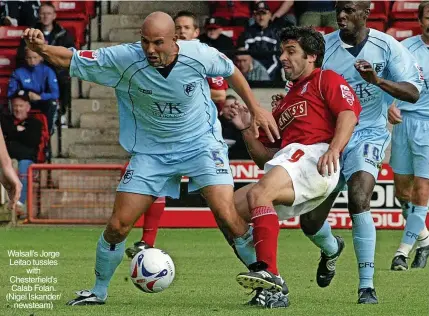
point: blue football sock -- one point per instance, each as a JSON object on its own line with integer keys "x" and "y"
{"x": 364, "y": 243}
{"x": 245, "y": 247}
{"x": 415, "y": 224}
{"x": 325, "y": 240}
{"x": 108, "y": 258}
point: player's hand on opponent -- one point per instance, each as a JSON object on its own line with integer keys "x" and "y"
{"x": 238, "y": 114}
{"x": 34, "y": 39}
{"x": 276, "y": 100}
{"x": 366, "y": 71}
{"x": 394, "y": 115}
{"x": 262, "y": 118}
{"x": 328, "y": 162}
{"x": 9, "y": 179}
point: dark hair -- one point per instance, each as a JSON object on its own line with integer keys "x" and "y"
{"x": 310, "y": 40}
{"x": 48, "y": 4}
{"x": 422, "y": 7}
{"x": 188, "y": 14}
{"x": 230, "y": 97}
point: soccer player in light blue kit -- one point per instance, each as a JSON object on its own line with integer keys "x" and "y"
{"x": 410, "y": 156}
{"x": 373, "y": 63}
{"x": 167, "y": 123}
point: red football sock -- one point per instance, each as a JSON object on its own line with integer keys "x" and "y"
{"x": 151, "y": 223}
{"x": 265, "y": 235}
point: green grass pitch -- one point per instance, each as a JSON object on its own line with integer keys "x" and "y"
{"x": 205, "y": 276}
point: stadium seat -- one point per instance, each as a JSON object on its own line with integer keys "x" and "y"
{"x": 44, "y": 140}
{"x": 233, "y": 31}
{"x": 405, "y": 10}
{"x": 71, "y": 10}
{"x": 4, "y": 83}
{"x": 77, "y": 29}
{"x": 10, "y": 36}
{"x": 7, "y": 61}
{"x": 378, "y": 25}
{"x": 401, "y": 33}
{"x": 90, "y": 8}
{"x": 379, "y": 11}
{"x": 324, "y": 30}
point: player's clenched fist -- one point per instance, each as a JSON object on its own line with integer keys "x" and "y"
{"x": 34, "y": 39}
{"x": 366, "y": 71}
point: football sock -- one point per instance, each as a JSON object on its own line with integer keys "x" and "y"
{"x": 413, "y": 227}
{"x": 325, "y": 240}
{"x": 108, "y": 258}
{"x": 245, "y": 247}
{"x": 151, "y": 223}
{"x": 364, "y": 236}
{"x": 423, "y": 240}
{"x": 265, "y": 236}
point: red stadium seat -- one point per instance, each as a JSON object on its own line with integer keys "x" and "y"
{"x": 10, "y": 36}
{"x": 401, "y": 33}
{"x": 77, "y": 29}
{"x": 90, "y": 8}
{"x": 4, "y": 83}
{"x": 7, "y": 61}
{"x": 44, "y": 140}
{"x": 379, "y": 10}
{"x": 71, "y": 10}
{"x": 233, "y": 31}
{"x": 324, "y": 30}
{"x": 405, "y": 10}
{"x": 378, "y": 25}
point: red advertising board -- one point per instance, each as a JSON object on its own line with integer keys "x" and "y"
{"x": 385, "y": 208}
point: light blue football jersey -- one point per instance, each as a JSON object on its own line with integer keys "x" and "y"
{"x": 388, "y": 58}
{"x": 420, "y": 51}
{"x": 158, "y": 115}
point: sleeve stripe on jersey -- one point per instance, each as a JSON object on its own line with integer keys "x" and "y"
{"x": 421, "y": 44}
{"x": 326, "y": 59}
{"x": 320, "y": 88}
{"x": 376, "y": 38}
{"x": 336, "y": 41}
{"x": 202, "y": 76}
{"x": 132, "y": 111}
{"x": 196, "y": 61}
{"x": 122, "y": 75}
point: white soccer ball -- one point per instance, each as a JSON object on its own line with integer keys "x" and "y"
{"x": 152, "y": 270}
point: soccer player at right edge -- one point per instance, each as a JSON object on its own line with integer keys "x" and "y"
{"x": 316, "y": 118}
{"x": 410, "y": 156}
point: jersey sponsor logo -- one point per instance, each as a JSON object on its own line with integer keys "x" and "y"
{"x": 128, "y": 175}
{"x": 291, "y": 112}
{"x": 168, "y": 109}
{"x": 420, "y": 71}
{"x": 347, "y": 94}
{"x": 304, "y": 89}
{"x": 365, "y": 92}
{"x": 378, "y": 67}
{"x": 189, "y": 88}
{"x": 88, "y": 54}
{"x": 217, "y": 81}
{"x": 145, "y": 91}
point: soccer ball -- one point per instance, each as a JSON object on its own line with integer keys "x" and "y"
{"x": 152, "y": 270}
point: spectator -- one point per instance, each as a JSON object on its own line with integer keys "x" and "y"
{"x": 231, "y": 13}
{"x": 55, "y": 35}
{"x": 262, "y": 40}
{"x": 39, "y": 83}
{"x": 317, "y": 13}
{"x": 232, "y": 136}
{"x": 282, "y": 10}
{"x": 251, "y": 69}
{"x": 22, "y": 136}
{"x": 14, "y": 13}
{"x": 214, "y": 37}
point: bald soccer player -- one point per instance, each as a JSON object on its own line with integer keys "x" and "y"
{"x": 167, "y": 123}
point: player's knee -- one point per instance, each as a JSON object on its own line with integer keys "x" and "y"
{"x": 255, "y": 196}
{"x": 117, "y": 230}
{"x": 420, "y": 195}
{"x": 310, "y": 224}
{"x": 359, "y": 202}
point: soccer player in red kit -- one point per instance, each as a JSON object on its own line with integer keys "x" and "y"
{"x": 316, "y": 119}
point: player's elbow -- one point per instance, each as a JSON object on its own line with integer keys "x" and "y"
{"x": 412, "y": 95}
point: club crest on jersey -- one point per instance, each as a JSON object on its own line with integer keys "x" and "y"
{"x": 420, "y": 71}
{"x": 304, "y": 89}
{"x": 128, "y": 176}
{"x": 378, "y": 67}
{"x": 291, "y": 112}
{"x": 189, "y": 88}
{"x": 88, "y": 54}
{"x": 347, "y": 94}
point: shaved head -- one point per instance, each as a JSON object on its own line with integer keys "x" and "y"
{"x": 158, "y": 39}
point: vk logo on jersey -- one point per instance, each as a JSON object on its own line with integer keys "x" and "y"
{"x": 378, "y": 67}
{"x": 189, "y": 88}
{"x": 128, "y": 176}
{"x": 168, "y": 109}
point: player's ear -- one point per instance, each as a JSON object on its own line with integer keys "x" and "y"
{"x": 312, "y": 58}
{"x": 175, "y": 37}
{"x": 197, "y": 31}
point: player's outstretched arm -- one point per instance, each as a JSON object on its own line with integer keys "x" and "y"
{"x": 55, "y": 55}
{"x": 260, "y": 117}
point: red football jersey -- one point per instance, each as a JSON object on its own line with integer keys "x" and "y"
{"x": 308, "y": 113}
{"x": 218, "y": 83}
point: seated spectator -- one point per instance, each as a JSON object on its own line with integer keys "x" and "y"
{"x": 262, "y": 39}
{"x": 214, "y": 37}
{"x": 232, "y": 136}
{"x": 14, "y": 13}
{"x": 39, "y": 83}
{"x": 22, "y": 136}
{"x": 55, "y": 35}
{"x": 231, "y": 13}
{"x": 317, "y": 13}
{"x": 282, "y": 10}
{"x": 251, "y": 69}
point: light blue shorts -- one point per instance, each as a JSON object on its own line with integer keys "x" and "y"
{"x": 410, "y": 146}
{"x": 365, "y": 152}
{"x": 160, "y": 174}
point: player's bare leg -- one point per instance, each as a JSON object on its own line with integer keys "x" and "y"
{"x": 317, "y": 229}
{"x": 413, "y": 194}
{"x": 360, "y": 187}
{"x": 127, "y": 209}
